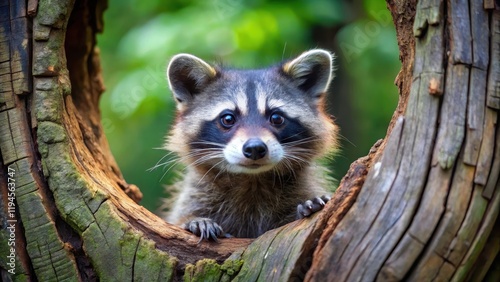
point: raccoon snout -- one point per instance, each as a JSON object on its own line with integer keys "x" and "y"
{"x": 254, "y": 149}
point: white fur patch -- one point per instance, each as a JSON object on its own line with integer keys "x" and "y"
{"x": 238, "y": 163}
{"x": 241, "y": 101}
{"x": 261, "y": 99}
{"x": 275, "y": 103}
{"x": 211, "y": 113}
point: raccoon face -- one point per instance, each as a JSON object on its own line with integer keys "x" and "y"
{"x": 251, "y": 121}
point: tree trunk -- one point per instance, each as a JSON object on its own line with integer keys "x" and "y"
{"x": 423, "y": 205}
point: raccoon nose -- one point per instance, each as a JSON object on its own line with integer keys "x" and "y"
{"x": 254, "y": 149}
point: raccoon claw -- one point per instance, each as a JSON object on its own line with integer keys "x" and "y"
{"x": 205, "y": 228}
{"x": 311, "y": 206}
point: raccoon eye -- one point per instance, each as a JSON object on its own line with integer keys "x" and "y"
{"x": 227, "y": 120}
{"x": 277, "y": 119}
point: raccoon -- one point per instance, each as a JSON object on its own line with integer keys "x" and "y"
{"x": 250, "y": 140}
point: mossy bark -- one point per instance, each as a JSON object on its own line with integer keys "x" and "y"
{"x": 422, "y": 205}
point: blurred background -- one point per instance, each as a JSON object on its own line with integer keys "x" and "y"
{"x": 140, "y": 36}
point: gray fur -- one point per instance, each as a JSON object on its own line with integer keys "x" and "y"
{"x": 245, "y": 205}
{"x": 215, "y": 196}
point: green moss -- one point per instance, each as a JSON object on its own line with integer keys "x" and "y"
{"x": 104, "y": 242}
{"x": 50, "y": 132}
{"x": 47, "y": 103}
{"x": 153, "y": 264}
{"x": 204, "y": 270}
{"x": 231, "y": 267}
{"x": 119, "y": 253}
{"x": 210, "y": 270}
{"x": 54, "y": 12}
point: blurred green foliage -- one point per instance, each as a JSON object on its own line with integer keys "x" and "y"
{"x": 141, "y": 36}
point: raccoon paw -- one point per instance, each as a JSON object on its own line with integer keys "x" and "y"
{"x": 205, "y": 228}
{"x": 311, "y": 206}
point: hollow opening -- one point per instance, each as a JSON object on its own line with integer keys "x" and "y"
{"x": 138, "y": 108}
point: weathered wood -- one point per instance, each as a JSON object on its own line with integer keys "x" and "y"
{"x": 429, "y": 12}
{"x": 480, "y": 35}
{"x": 19, "y": 45}
{"x": 346, "y": 194}
{"x": 475, "y": 117}
{"x": 432, "y": 247}
{"x": 328, "y": 260}
{"x": 452, "y": 117}
{"x": 493, "y": 179}
{"x": 487, "y": 147}
{"x": 474, "y": 249}
{"x": 485, "y": 261}
{"x": 286, "y": 253}
{"x": 40, "y": 243}
{"x": 493, "y": 98}
{"x": 85, "y": 183}
{"x": 460, "y": 31}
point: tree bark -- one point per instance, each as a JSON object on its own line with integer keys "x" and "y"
{"x": 423, "y": 205}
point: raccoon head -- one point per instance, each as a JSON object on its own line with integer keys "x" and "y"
{"x": 251, "y": 121}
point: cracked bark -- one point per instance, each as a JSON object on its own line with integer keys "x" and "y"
{"x": 423, "y": 205}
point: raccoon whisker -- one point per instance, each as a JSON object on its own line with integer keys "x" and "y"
{"x": 206, "y": 142}
{"x": 165, "y": 173}
{"x": 342, "y": 137}
{"x": 203, "y": 150}
{"x": 173, "y": 163}
{"x": 292, "y": 161}
{"x": 299, "y": 151}
{"x": 159, "y": 163}
{"x": 206, "y": 173}
{"x": 300, "y": 148}
{"x": 223, "y": 169}
{"x": 195, "y": 160}
{"x": 297, "y": 134}
{"x": 301, "y": 157}
{"x": 286, "y": 166}
{"x": 218, "y": 145}
{"x": 301, "y": 142}
{"x": 200, "y": 153}
{"x": 206, "y": 151}
{"x": 278, "y": 174}
{"x": 170, "y": 163}
{"x": 177, "y": 160}
{"x": 166, "y": 163}
{"x": 297, "y": 159}
{"x": 206, "y": 158}
{"x": 290, "y": 168}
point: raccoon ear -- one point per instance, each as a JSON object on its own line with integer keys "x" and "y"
{"x": 312, "y": 71}
{"x": 187, "y": 76}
